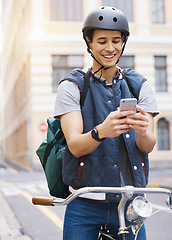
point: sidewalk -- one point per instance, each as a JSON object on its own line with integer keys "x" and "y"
{"x": 10, "y": 228}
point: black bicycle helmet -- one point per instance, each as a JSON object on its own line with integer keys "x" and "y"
{"x": 109, "y": 18}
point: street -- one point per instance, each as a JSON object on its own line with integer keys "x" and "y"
{"x": 17, "y": 187}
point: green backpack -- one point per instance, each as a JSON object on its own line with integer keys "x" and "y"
{"x": 51, "y": 151}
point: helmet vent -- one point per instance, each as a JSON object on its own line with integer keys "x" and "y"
{"x": 115, "y": 19}
{"x": 101, "y": 18}
{"x": 113, "y": 8}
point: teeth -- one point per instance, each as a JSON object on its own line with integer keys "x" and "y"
{"x": 109, "y": 56}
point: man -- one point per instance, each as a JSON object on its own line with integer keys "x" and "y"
{"x": 106, "y": 147}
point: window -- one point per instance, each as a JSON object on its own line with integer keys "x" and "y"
{"x": 63, "y": 65}
{"x": 160, "y": 74}
{"x": 125, "y": 6}
{"x": 126, "y": 62}
{"x": 158, "y": 11}
{"x": 66, "y": 10}
{"x": 163, "y": 134}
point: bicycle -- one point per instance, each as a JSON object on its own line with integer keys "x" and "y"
{"x": 138, "y": 210}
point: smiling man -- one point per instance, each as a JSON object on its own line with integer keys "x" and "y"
{"x": 115, "y": 144}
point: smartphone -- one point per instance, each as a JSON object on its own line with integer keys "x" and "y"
{"x": 128, "y": 104}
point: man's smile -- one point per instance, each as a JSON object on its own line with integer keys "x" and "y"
{"x": 109, "y": 56}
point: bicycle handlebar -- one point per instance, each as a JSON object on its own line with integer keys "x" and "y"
{"x": 127, "y": 193}
{"x": 127, "y": 190}
{"x": 43, "y": 201}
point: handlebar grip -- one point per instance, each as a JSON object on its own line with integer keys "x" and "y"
{"x": 42, "y": 201}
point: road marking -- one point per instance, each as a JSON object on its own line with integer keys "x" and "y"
{"x": 51, "y": 215}
{"x": 6, "y": 183}
{"x": 11, "y": 191}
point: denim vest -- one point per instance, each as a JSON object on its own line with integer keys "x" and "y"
{"x": 102, "y": 166}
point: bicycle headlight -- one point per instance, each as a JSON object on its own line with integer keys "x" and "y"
{"x": 139, "y": 209}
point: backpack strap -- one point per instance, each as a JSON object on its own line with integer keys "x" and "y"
{"x": 131, "y": 91}
{"x": 132, "y": 78}
{"x": 86, "y": 87}
{"x": 60, "y": 134}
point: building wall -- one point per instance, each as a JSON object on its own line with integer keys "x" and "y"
{"x": 29, "y": 41}
{"x": 16, "y": 110}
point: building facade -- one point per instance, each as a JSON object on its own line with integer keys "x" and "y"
{"x": 42, "y": 41}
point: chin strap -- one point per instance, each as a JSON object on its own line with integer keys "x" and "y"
{"x": 92, "y": 55}
{"x": 102, "y": 67}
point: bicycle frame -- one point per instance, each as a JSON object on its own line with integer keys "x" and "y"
{"x": 127, "y": 193}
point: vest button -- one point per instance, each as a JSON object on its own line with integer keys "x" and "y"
{"x": 127, "y": 135}
{"x": 135, "y": 167}
{"x": 109, "y": 101}
{"x": 115, "y": 165}
{"x": 114, "y": 81}
{"x": 143, "y": 164}
{"x": 82, "y": 164}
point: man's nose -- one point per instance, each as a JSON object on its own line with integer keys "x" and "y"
{"x": 109, "y": 47}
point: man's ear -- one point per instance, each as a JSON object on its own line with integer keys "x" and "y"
{"x": 88, "y": 42}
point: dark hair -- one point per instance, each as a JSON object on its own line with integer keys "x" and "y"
{"x": 90, "y": 34}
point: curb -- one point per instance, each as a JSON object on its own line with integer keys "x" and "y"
{"x": 17, "y": 166}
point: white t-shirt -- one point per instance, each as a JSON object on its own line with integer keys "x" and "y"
{"x": 68, "y": 99}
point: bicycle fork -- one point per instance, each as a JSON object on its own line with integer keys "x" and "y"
{"x": 123, "y": 233}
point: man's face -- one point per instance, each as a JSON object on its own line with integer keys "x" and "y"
{"x": 106, "y": 46}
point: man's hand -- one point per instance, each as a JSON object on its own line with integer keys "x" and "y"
{"x": 115, "y": 124}
{"x": 139, "y": 121}
{"x": 143, "y": 123}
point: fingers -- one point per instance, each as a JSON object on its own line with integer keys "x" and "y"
{"x": 140, "y": 109}
{"x": 118, "y": 129}
{"x": 116, "y": 123}
{"x": 138, "y": 118}
{"x": 139, "y": 121}
{"x": 123, "y": 114}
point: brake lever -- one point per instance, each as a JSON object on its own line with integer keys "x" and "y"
{"x": 169, "y": 202}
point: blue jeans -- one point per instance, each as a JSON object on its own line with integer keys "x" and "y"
{"x": 84, "y": 217}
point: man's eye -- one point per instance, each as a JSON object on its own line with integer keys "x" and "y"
{"x": 102, "y": 42}
{"x": 116, "y": 42}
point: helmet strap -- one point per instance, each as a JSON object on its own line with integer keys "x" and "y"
{"x": 122, "y": 51}
{"x": 89, "y": 51}
{"x": 92, "y": 55}
{"x": 123, "y": 47}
